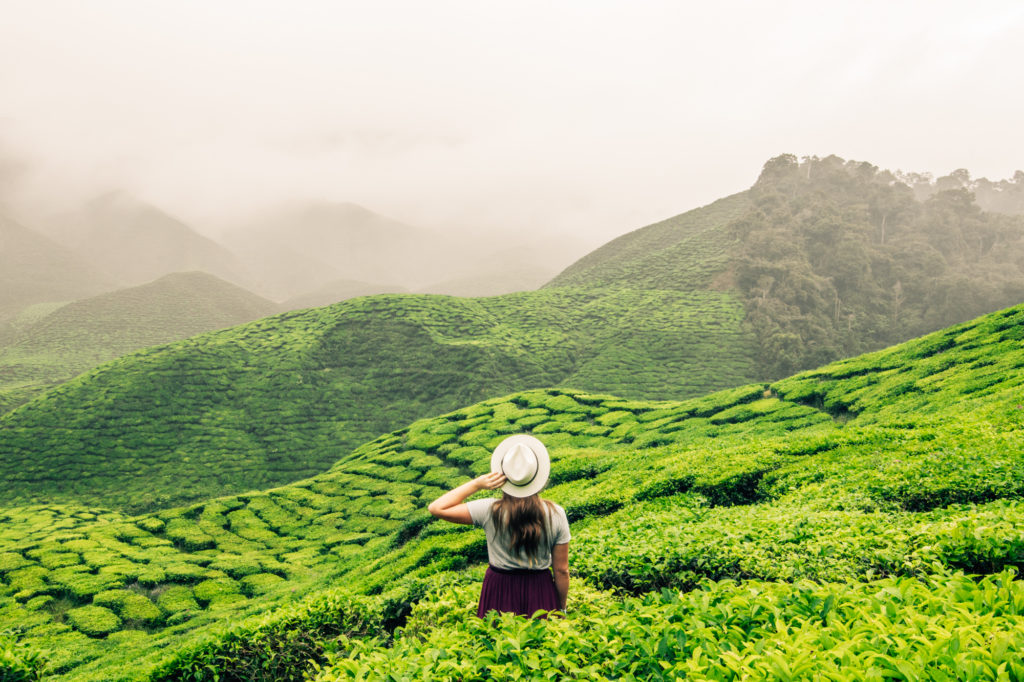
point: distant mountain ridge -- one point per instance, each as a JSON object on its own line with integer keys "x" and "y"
{"x": 34, "y": 269}
{"x": 134, "y": 242}
{"x": 299, "y": 250}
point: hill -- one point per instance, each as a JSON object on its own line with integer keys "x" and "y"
{"x": 284, "y": 397}
{"x": 52, "y": 344}
{"x": 34, "y": 269}
{"x": 831, "y": 258}
{"x": 790, "y": 273}
{"x": 135, "y": 242}
{"x": 859, "y": 520}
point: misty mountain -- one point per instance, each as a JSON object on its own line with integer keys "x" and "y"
{"x": 312, "y": 252}
{"x": 133, "y": 242}
{"x": 51, "y": 345}
{"x": 34, "y": 269}
{"x": 516, "y": 268}
{"x": 300, "y": 248}
{"x": 339, "y": 290}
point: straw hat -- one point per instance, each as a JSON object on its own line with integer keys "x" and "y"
{"x": 524, "y": 461}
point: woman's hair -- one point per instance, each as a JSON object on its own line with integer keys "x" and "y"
{"x": 524, "y": 520}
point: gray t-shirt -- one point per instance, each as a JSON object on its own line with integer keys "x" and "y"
{"x": 499, "y": 551}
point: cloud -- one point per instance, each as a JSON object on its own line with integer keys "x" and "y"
{"x": 588, "y": 119}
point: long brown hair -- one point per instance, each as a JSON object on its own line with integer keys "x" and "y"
{"x": 524, "y": 519}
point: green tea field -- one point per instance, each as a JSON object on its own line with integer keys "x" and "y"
{"x": 285, "y": 397}
{"x": 861, "y": 521}
{"x": 52, "y": 342}
{"x": 793, "y": 273}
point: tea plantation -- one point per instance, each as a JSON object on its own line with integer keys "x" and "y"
{"x": 285, "y": 397}
{"x": 51, "y": 343}
{"x": 860, "y": 521}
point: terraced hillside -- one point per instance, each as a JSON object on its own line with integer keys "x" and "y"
{"x": 285, "y": 397}
{"x": 826, "y": 524}
{"x": 52, "y": 343}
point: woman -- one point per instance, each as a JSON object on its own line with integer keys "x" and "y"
{"x": 527, "y": 537}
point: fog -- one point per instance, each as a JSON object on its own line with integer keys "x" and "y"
{"x": 528, "y": 120}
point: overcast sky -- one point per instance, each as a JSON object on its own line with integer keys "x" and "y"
{"x": 591, "y": 118}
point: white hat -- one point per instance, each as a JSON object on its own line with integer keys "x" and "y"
{"x": 524, "y": 461}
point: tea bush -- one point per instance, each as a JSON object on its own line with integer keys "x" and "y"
{"x": 760, "y": 484}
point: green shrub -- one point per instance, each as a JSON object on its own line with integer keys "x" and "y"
{"x": 260, "y": 583}
{"x": 177, "y": 598}
{"x": 209, "y": 590}
{"x": 94, "y": 621}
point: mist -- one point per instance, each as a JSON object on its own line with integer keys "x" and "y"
{"x": 526, "y": 124}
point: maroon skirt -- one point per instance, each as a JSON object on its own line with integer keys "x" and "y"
{"x": 521, "y": 591}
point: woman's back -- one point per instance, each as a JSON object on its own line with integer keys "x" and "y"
{"x": 495, "y": 518}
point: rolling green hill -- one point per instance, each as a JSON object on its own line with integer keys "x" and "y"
{"x": 820, "y": 259}
{"x": 283, "y": 398}
{"x": 52, "y": 344}
{"x": 859, "y": 521}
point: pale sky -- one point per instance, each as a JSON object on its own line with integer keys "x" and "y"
{"x": 586, "y": 118}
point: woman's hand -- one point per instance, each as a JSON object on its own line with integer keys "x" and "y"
{"x": 490, "y": 481}
{"x": 450, "y": 506}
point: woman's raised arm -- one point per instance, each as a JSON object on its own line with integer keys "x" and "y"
{"x": 450, "y": 507}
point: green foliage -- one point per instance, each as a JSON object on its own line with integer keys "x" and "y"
{"x": 283, "y": 645}
{"x": 945, "y": 627}
{"x": 18, "y": 662}
{"x": 177, "y": 598}
{"x": 284, "y": 398}
{"x": 838, "y": 258}
{"x": 904, "y": 465}
{"x": 94, "y": 621}
{"x": 54, "y": 343}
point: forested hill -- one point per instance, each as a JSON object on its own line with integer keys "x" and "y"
{"x": 831, "y": 258}
{"x": 836, "y": 258}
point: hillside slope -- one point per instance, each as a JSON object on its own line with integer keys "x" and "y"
{"x": 72, "y": 338}
{"x": 882, "y": 479}
{"x": 831, "y": 258}
{"x": 283, "y": 398}
{"x": 685, "y": 252}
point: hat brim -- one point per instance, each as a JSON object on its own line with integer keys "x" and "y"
{"x": 543, "y": 465}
